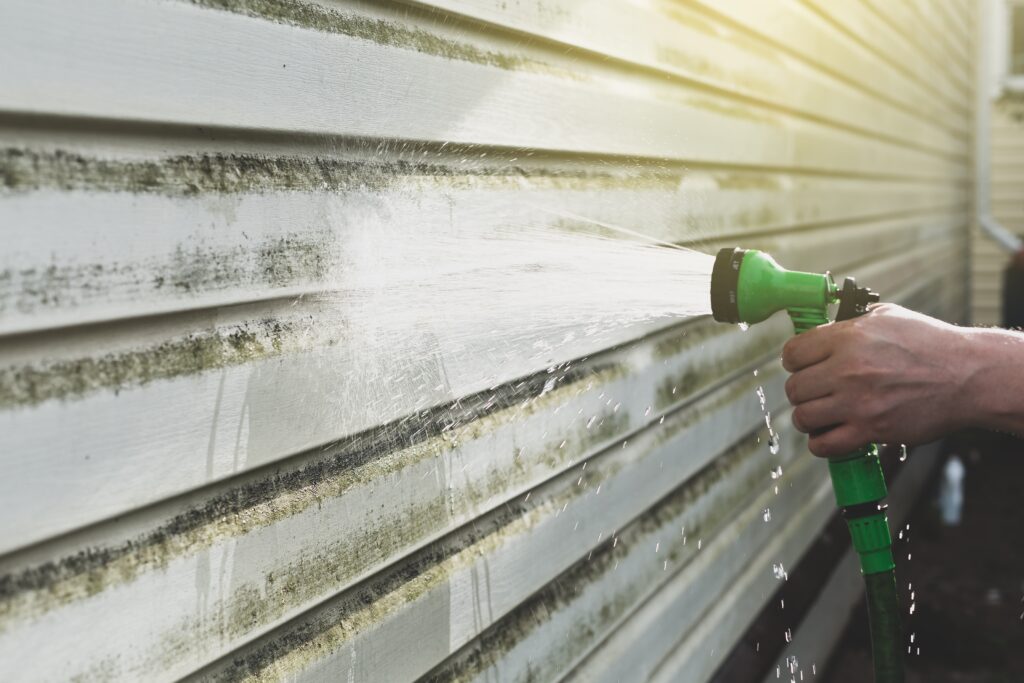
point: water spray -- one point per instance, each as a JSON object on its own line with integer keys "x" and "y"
{"x": 747, "y": 287}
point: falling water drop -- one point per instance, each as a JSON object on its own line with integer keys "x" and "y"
{"x": 903, "y": 452}
{"x": 767, "y": 515}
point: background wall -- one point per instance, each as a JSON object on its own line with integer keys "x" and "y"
{"x": 1007, "y": 207}
{"x": 199, "y": 476}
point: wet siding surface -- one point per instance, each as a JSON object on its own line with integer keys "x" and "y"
{"x": 201, "y": 480}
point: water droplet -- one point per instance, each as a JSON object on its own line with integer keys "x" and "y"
{"x": 903, "y": 452}
{"x": 773, "y": 444}
{"x": 648, "y": 411}
{"x": 779, "y": 571}
{"x": 777, "y": 472}
{"x": 789, "y": 635}
{"x": 744, "y": 326}
{"x": 767, "y": 515}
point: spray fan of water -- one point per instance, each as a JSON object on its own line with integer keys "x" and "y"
{"x": 518, "y": 288}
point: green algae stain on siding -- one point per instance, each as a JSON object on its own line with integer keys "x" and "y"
{"x": 30, "y": 384}
{"x": 278, "y": 262}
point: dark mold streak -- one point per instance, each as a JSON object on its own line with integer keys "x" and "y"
{"x": 317, "y": 17}
{"x": 27, "y": 385}
{"x": 280, "y": 262}
{"x": 23, "y": 170}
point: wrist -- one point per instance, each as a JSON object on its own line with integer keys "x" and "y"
{"x": 991, "y": 379}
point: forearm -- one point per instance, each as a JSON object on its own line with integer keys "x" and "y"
{"x": 994, "y": 382}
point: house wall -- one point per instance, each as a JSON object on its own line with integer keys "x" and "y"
{"x": 207, "y": 474}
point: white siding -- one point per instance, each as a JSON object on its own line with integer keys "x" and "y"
{"x": 180, "y": 183}
{"x": 1007, "y": 206}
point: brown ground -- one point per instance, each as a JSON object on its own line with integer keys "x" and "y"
{"x": 968, "y": 580}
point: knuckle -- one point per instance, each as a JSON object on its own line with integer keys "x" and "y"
{"x": 790, "y": 388}
{"x": 787, "y": 357}
{"x": 797, "y": 420}
{"x": 818, "y": 446}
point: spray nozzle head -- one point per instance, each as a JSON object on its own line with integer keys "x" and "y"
{"x": 748, "y": 286}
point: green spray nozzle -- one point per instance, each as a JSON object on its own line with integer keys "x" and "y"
{"x": 748, "y": 286}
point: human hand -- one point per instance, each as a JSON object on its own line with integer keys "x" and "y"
{"x": 891, "y": 376}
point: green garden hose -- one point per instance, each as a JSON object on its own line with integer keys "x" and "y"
{"x": 748, "y": 286}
